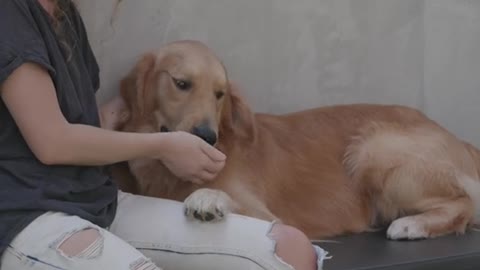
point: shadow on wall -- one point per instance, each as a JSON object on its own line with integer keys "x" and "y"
{"x": 292, "y": 55}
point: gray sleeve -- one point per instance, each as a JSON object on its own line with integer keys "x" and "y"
{"x": 20, "y": 39}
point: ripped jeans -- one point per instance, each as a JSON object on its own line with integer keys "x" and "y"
{"x": 147, "y": 234}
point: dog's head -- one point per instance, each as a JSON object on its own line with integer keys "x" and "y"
{"x": 184, "y": 87}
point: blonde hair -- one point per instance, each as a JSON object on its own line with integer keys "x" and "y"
{"x": 58, "y": 15}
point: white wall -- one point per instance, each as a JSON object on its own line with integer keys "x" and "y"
{"x": 452, "y": 65}
{"x": 292, "y": 55}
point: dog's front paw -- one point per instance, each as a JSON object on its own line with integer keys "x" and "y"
{"x": 208, "y": 205}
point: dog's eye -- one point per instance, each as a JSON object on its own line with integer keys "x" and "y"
{"x": 219, "y": 94}
{"x": 182, "y": 85}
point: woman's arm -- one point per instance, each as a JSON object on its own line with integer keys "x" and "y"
{"x": 30, "y": 96}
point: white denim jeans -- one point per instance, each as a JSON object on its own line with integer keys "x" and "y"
{"x": 148, "y": 234}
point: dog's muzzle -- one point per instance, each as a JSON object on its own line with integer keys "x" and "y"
{"x": 203, "y": 131}
{"x": 206, "y": 133}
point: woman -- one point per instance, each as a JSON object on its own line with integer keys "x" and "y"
{"x": 59, "y": 210}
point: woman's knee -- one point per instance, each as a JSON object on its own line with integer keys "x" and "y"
{"x": 81, "y": 242}
{"x": 294, "y": 247}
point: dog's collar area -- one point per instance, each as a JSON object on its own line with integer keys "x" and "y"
{"x": 164, "y": 129}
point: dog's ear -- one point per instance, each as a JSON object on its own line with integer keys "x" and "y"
{"x": 236, "y": 116}
{"x": 134, "y": 88}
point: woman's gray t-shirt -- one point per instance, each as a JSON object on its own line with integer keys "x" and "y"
{"x": 29, "y": 188}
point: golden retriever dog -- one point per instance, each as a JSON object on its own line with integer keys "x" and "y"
{"x": 328, "y": 171}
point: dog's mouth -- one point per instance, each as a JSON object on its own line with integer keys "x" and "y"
{"x": 164, "y": 129}
{"x": 212, "y": 140}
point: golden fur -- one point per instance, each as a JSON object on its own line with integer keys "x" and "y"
{"x": 327, "y": 171}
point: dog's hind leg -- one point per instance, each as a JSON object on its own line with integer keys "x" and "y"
{"x": 440, "y": 217}
{"x": 420, "y": 178}
{"x": 424, "y": 201}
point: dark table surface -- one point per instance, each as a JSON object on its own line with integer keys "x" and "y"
{"x": 374, "y": 251}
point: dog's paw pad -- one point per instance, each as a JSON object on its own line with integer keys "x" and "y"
{"x": 407, "y": 228}
{"x": 207, "y": 205}
{"x": 206, "y": 216}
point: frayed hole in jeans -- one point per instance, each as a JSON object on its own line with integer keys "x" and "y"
{"x": 143, "y": 264}
{"x": 86, "y": 243}
{"x": 274, "y": 244}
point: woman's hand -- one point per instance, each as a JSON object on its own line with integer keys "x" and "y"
{"x": 190, "y": 158}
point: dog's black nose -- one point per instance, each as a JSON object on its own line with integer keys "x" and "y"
{"x": 206, "y": 133}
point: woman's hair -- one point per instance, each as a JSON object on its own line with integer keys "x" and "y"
{"x": 58, "y": 15}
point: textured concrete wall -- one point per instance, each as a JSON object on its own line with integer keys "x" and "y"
{"x": 292, "y": 55}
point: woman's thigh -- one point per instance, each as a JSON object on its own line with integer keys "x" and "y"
{"x": 57, "y": 241}
{"x": 159, "y": 229}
